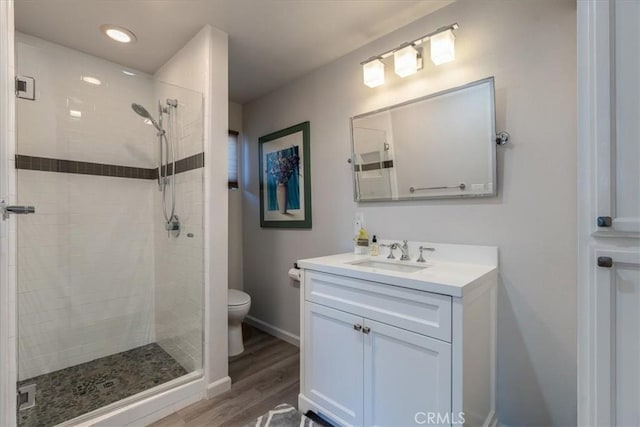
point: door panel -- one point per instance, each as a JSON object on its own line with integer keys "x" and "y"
{"x": 333, "y": 371}
{"x": 618, "y": 120}
{"x": 618, "y": 348}
{"x": 627, "y": 326}
{"x": 407, "y": 377}
{"x": 627, "y": 116}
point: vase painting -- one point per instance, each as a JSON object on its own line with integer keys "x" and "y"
{"x": 285, "y": 178}
{"x": 283, "y": 187}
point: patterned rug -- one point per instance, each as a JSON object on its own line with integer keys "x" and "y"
{"x": 282, "y": 416}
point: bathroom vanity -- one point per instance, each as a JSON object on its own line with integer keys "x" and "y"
{"x": 399, "y": 343}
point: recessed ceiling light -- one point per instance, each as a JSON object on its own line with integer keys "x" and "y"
{"x": 128, "y": 73}
{"x": 118, "y": 34}
{"x": 75, "y": 113}
{"x": 91, "y": 80}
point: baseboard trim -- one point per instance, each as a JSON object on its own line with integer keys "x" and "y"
{"x": 273, "y": 330}
{"x": 218, "y": 387}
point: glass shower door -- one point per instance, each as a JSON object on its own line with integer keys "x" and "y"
{"x": 109, "y": 299}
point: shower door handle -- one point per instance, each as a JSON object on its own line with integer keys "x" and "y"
{"x": 18, "y": 209}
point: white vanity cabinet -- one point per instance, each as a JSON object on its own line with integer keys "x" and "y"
{"x": 379, "y": 354}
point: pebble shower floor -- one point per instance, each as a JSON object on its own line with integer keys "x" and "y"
{"x": 70, "y": 392}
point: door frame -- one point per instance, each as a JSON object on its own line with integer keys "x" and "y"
{"x": 587, "y": 137}
{"x": 8, "y": 357}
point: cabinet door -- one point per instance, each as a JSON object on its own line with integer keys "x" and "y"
{"x": 333, "y": 362}
{"x": 407, "y": 377}
{"x": 618, "y": 119}
{"x": 618, "y": 339}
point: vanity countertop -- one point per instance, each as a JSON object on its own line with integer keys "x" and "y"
{"x": 450, "y": 277}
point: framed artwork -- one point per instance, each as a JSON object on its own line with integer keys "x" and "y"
{"x": 285, "y": 178}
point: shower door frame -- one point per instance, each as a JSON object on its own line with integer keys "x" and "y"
{"x": 8, "y": 301}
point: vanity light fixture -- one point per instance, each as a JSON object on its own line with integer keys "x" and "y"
{"x": 407, "y": 57}
{"x": 119, "y": 34}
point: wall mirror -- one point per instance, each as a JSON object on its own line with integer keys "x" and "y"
{"x": 439, "y": 146}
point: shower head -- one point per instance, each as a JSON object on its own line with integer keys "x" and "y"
{"x": 142, "y": 112}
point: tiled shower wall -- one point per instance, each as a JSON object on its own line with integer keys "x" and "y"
{"x": 85, "y": 260}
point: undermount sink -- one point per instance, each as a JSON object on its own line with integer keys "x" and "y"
{"x": 391, "y": 266}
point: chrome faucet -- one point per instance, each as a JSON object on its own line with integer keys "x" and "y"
{"x": 405, "y": 250}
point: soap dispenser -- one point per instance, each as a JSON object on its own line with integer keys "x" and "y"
{"x": 374, "y": 246}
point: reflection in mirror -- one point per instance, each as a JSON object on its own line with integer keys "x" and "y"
{"x": 439, "y": 146}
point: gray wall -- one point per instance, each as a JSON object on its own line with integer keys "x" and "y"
{"x": 530, "y": 48}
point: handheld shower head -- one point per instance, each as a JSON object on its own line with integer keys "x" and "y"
{"x": 142, "y": 112}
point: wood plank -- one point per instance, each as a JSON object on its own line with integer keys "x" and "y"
{"x": 259, "y": 387}
{"x": 265, "y": 375}
{"x": 288, "y": 395}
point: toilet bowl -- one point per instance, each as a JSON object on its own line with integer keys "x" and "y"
{"x": 238, "y": 305}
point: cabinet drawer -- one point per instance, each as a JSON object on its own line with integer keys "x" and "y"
{"x": 422, "y": 312}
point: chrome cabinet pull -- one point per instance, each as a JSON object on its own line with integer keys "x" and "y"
{"x": 357, "y": 327}
{"x": 366, "y": 330}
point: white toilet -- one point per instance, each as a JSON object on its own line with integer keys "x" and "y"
{"x": 238, "y": 304}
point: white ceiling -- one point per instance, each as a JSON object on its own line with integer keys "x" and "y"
{"x": 271, "y": 42}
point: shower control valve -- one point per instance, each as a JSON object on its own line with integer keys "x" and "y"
{"x": 173, "y": 226}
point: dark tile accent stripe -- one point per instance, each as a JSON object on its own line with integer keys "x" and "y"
{"x": 100, "y": 169}
{"x": 374, "y": 166}
{"x": 188, "y": 163}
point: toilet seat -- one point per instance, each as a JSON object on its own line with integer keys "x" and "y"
{"x": 238, "y": 298}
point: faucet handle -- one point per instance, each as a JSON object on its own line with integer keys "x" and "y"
{"x": 423, "y": 248}
{"x": 391, "y": 248}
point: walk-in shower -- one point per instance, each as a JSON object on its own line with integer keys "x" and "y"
{"x": 109, "y": 310}
{"x": 166, "y": 154}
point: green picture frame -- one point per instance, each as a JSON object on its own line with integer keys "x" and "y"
{"x": 285, "y": 178}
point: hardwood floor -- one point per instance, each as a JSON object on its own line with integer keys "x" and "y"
{"x": 265, "y": 375}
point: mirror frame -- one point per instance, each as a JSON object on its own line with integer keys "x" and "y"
{"x": 493, "y": 163}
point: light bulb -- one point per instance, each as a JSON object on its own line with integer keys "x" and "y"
{"x": 373, "y": 73}
{"x": 443, "y": 47}
{"x": 405, "y": 61}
